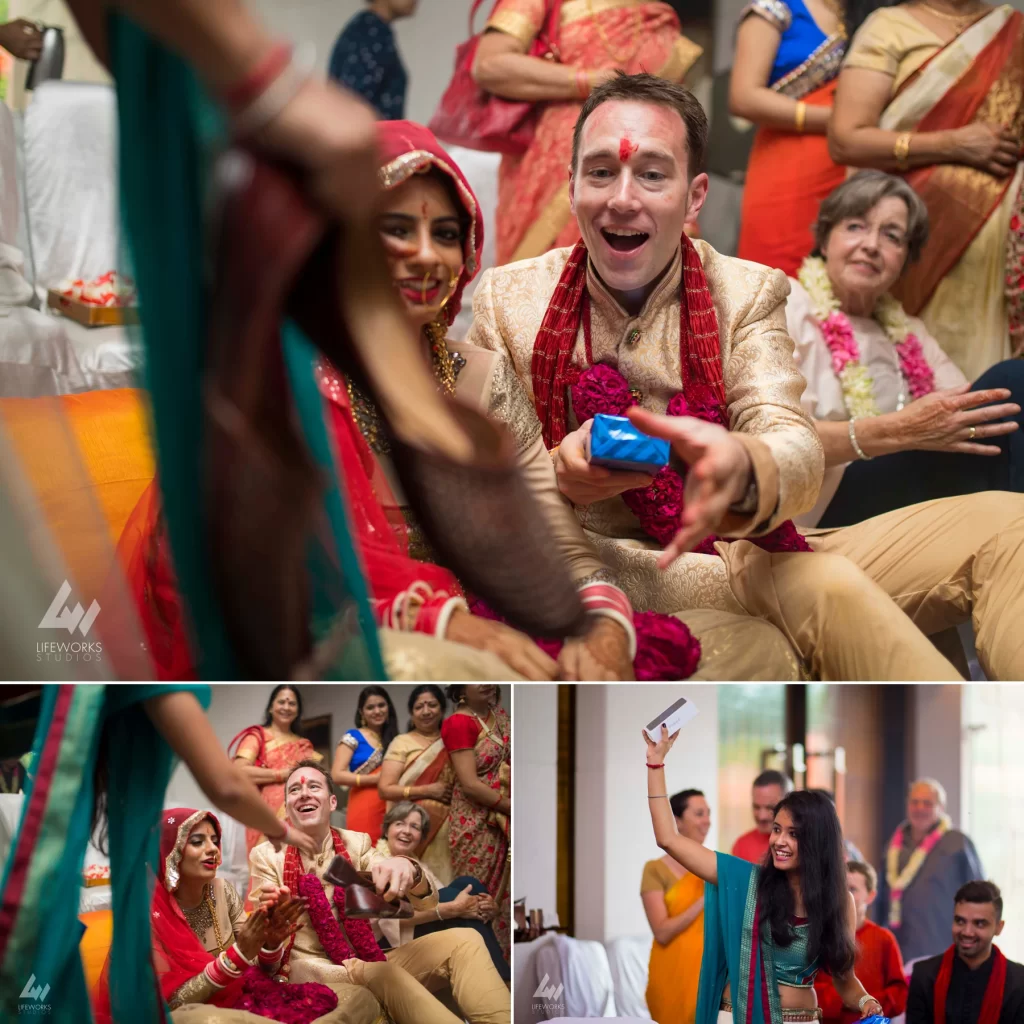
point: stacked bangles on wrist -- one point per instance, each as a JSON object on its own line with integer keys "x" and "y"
{"x": 265, "y": 91}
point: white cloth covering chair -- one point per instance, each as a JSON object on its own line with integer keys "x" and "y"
{"x": 72, "y": 216}
{"x": 36, "y": 357}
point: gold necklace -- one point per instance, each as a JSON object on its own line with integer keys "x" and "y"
{"x": 618, "y": 59}
{"x": 958, "y": 19}
{"x": 208, "y": 892}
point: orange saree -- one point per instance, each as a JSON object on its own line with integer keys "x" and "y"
{"x": 789, "y": 173}
{"x": 533, "y": 189}
{"x": 258, "y": 746}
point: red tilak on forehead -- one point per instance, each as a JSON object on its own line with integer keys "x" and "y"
{"x": 302, "y": 780}
{"x": 626, "y": 148}
{"x": 424, "y": 209}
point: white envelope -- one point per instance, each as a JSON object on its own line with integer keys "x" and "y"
{"x": 674, "y": 718}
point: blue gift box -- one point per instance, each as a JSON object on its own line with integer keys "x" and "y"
{"x": 617, "y": 444}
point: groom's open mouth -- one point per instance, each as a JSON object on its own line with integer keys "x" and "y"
{"x": 624, "y": 240}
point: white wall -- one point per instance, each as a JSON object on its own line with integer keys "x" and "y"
{"x": 535, "y": 795}
{"x": 613, "y": 827}
{"x": 235, "y": 706}
{"x": 937, "y": 713}
{"x": 427, "y": 40}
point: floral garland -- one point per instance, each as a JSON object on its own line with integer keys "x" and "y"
{"x": 322, "y": 917}
{"x": 360, "y": 943}
{"x": 900, "y": 881}
{"x": 286, "y": 1004}
{"x": 666, "y": 650}
{"x": 857, "y": 383}
{"x": 659, "y": 506}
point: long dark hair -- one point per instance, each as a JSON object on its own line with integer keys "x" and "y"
{"x": 268, "y": 718}
{"x": 435, "y": 691}
{"x": 822, "y": 867}
{"x": 390, "y": 728}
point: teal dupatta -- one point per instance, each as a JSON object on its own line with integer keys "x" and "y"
{"x": 170, "y": 133}
{"x": 39, "y": 926}
{"x": 734, "y": 951}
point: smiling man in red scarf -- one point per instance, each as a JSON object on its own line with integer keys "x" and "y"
{"x": 638, "y": 314}
{"x": 972, "y": 982}
{"x": 342, "y": 951}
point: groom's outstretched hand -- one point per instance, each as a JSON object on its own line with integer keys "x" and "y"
{"x": 720, "y": 472}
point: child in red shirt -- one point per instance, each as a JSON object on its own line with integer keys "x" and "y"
{"x": 879, "y": 966}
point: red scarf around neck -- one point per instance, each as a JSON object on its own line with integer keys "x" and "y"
{"x": 700, "y": 359}
{"x": 991, "y": 1005}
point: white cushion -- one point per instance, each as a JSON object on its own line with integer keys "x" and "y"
{"x": 629, "y": 959}
{"x": 36, "y": 357}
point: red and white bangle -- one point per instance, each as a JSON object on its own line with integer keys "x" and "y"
{"x": 270, "y": 958}
{"x": 608, "y": 600}
{"x": 259, "y": 79}
{"x": 435, "y": 615}
{"x": 264, "y": 93}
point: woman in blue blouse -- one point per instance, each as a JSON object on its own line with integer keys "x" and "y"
{"x": 358, "y": 759}
{"x": 788, "y": 54}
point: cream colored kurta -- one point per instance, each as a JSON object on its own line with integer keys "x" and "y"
{"x": 762, "y": 386}
{"x": 309, "y": 961}
{"x": 823, "y": 398}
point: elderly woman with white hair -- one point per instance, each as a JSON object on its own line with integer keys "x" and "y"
{"x": 926, "y": 861}
{"x": 899, "y": 422}
{"x": 463, "y": 904}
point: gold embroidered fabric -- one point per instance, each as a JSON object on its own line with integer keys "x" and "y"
{"x": 820, "y": 67}
{"x": 775, "y": 12}
{"x": 510, "y": 404}
{"x": 195, "y": 990}
{"x": 892, "y": 41}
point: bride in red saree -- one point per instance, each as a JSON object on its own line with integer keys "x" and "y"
{"x": 936, "y": 91}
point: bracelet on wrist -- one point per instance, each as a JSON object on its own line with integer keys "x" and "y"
{"x": 858, "y": 451}
{"x": 238, "y": 96}
{"x": 649, "y": 765}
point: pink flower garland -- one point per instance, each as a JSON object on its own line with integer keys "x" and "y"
{"x": 666, "y": 650}
{"x": 842, "y": 344}
{"x": 659, "y": 506}
{"x": 287, "y": 1004}
{"x": 326, "y": 925}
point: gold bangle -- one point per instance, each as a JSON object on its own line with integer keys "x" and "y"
{"x": 800, "y": 117}
{"x": 359, "y": 781}
{"x": 405, "y": 792}
{"x": 901, "y": 150}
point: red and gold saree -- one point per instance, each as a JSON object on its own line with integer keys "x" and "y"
{"x": 479, "y": 837}
{"x": 633, "y": 35}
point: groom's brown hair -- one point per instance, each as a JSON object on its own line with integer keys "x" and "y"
{"x": 317, "y": 766}
{"x": 645, "y": 88}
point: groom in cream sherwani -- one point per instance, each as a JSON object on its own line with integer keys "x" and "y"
{"x": 403, "y": 984}
{"x": 860, "y": 603}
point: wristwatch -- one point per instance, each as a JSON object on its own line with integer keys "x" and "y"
{"x": 747, "y": 505}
